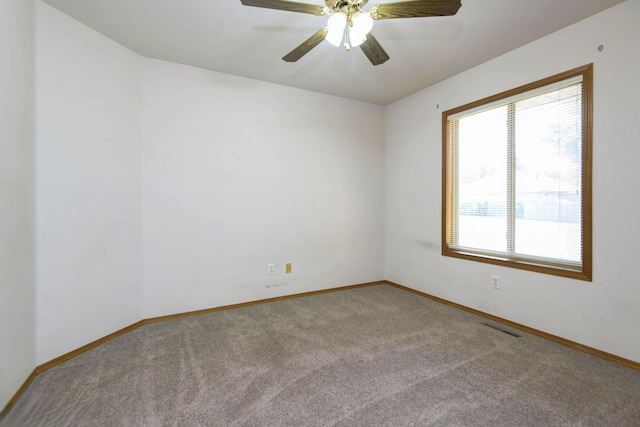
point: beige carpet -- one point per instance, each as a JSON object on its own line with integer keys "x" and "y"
{"x": 369, "y": 356}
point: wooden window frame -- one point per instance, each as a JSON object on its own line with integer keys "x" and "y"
{"x": 584, "y": 272}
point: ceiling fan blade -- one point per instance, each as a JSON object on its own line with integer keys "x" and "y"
{"x": 374, "y": 51}
{"x": 415, "y": 9}
{"x": 291, "y": 6}
{"x": 306, "y": 46}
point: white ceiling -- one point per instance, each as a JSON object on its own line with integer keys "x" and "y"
{"x": 225, "y": 36}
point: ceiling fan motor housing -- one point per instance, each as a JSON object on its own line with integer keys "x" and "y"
{"x": 345, "y": 6}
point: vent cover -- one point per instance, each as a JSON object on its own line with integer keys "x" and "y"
{"x": 503, "y": 329}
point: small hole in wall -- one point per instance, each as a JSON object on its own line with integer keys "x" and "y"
{"x": 600, "y": 48}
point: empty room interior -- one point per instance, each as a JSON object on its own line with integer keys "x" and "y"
{"x": 159, "y": 159}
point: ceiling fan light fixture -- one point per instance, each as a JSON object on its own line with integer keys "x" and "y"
{"x": 361, "y": 24}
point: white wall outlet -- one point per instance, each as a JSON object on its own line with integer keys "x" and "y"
{"x": 495, "y": 281}
{"x": 271, "y": 269}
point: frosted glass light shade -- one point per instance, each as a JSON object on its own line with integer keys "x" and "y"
{"x": 336, "y": 25}
{"x": 362, "y": 24}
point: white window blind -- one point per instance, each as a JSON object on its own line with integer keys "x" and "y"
{"x": 516, "y": 176}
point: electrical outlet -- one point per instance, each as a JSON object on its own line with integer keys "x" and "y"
{"x": 495, "y": 280}
{"x": 287, "y": 268}
{"x": 271, "y": 269}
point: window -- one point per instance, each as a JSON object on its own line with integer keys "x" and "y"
{"x": 517, "y": 177}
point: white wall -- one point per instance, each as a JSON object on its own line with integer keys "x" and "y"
{"x": 17, "y": 330}
{"x": 604, "y": 313}
{"x": 88, "y": 180}
{"x": 236, "y": 174}
{"x": 240, "y": 173}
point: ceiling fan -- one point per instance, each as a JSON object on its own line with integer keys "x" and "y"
{"x": 349, "y": 25}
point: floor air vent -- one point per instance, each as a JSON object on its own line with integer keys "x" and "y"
{"x": 502, "y": 329}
